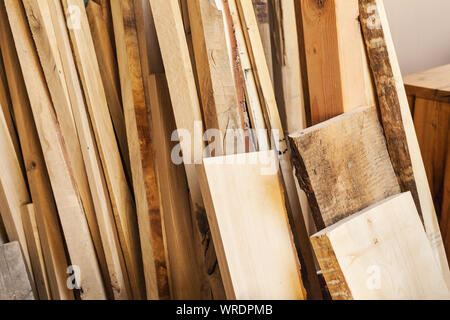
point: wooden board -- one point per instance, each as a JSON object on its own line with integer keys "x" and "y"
{"x": 110, "y": 75}
{"x": 71, "y": 212}
{"x": 338, "y": 74}
{"x": 279, "y": 142}
{"x": 245, "y": 205}
{"x": 14, "y": 280}
{"x": 221, "y": 109}
{"x": 141, "y": 155}
{"x": 343, "y": 165}
{"x": 36, "y": 255}
{"x": 116, "y": 276}
{"x": 38, "y": 179}
{"x": 433, "y": 84}
{"x": 397, "y": 121}
{"x": 121, "y": 197}
{"x": 263, "y": 15}
{"x": 381, "y": 253}
{"x": 183, "y": 93}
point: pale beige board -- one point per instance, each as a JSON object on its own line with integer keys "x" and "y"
{"x": 14, "y": 280}
{"x": 71, "y": 212}
{"x": 245, "y": 205}
{"x": 380, "y": 253}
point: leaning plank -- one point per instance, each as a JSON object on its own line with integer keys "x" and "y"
{"x": 338, "y": 73}
{"x": 273, "y": 122}
{"x": 116, "y": 276}
{"x": 71, "y": 212}
{"x": 36, "y": 256}
{"x": 108, "y": 69}
{"x": 14, "y": 281}
{"x": 381, "y": 253}
{"x": 38, "y": 179}
{"x": 218, "y": 94}
{"x": 250, "y": 227}
{"x": 141, "y": 154}
{"x": 397, "y": 121}
{"x": 186, "y": 106}
{"x": 121, "y": 198}
{"x": 39, "y": 19}
{"x": 263, "y": 16}
{"x": 343, "y": 165}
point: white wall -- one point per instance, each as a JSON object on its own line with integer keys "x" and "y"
{"x": 421, "y": 32}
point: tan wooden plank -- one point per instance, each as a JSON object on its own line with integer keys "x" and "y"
{"x": 343, "y": 165}
{"x": 139, "y": 138}
{"x": 71, "y": 212}
{"x": 186, "y": 106}
{"x": 402, "y": 140}
{"x": 36, "y": 255}
{"x": 116, "y": 273}
{"x": 14, "y": 280}
{"x": 121, "y": 198}
{"x": 263, "y": 16}
{"x": 38, "y": 179}
{"x": 393, "y": 255}
{"x": 431, "y": 84}
{"x": 245, "y": 205}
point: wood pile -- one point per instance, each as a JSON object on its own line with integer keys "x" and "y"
{"x": 210, "y": 149}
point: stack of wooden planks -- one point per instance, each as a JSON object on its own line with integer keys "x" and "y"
{"x": 145, "y": 153}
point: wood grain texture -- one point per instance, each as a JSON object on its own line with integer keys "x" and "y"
{"x": 397, "y": 121}
{"x": 338, "y": 74}
{"x": 38, "y": 180}
{"x": 71, "y": 212}
{"x": 186, "y": 106}
{"x": 380, "y": 253}
{"x": 221, "y": 109}
{"x": 279, "y": 142}
{"x": 245, "y": 205}
{"x": 14, "y": 280}
{"x": 445, "y": 218}
{"x": 343, "y": 165}
{"x": 36, "y": 255}
{"x": 433, "y": 84}
{"x": 263, "y": 15}
{"x": 140, "y": 144}
{"x": 121, "y": 197}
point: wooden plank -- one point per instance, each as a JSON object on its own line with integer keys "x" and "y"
{"x": 221, "y": 109}
{"x": 279, "y": 141}
{"x": 432, "y": 124}
{"x": 139, "y": 139}
{"x": 184, "y": 269}
{"x": 41, "y": 25}
{"x": 121, "y": 198}
{"x": 14, "y": 281}
{"x": 71, "y": 212}
{"x": 431, "y": 84}
{"x": 343, "y": 165}
{"x": 245, "y": 205}
{"x": 393, "y": 255}
{"x": 38, "y": 179}
{"x": 116, "y": 273}
{"x": 334, "y": 46}
{"x": 263, "y": 16}
{"x": 397, "y": 121}
{"x": 36, "y": 255}
{"x": 109, "y": 71}
{"x": 186, "y": 106}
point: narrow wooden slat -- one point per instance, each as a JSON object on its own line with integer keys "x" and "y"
{"x": 393, "y": 260}
{"x": 116, "y": 273}
{"x": 14, "y": 281}
{"x": 245, "y": 205}
{"x": 220, "y": 105}
{"x": 121, "y": 198}
{"x": 38, "y": 179}
{"x": 343, "y": 165}
{"x": 139, "y": 139}
{"x": 186, "y": 106}
{"x": 36, "y": 255}
{"x": 397, "y": 121}
{"x": 71, "y": 212}
{"x": 280, "y": 144}
{"x": 110, "y": 75}
{"x": 263, "y": 15}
